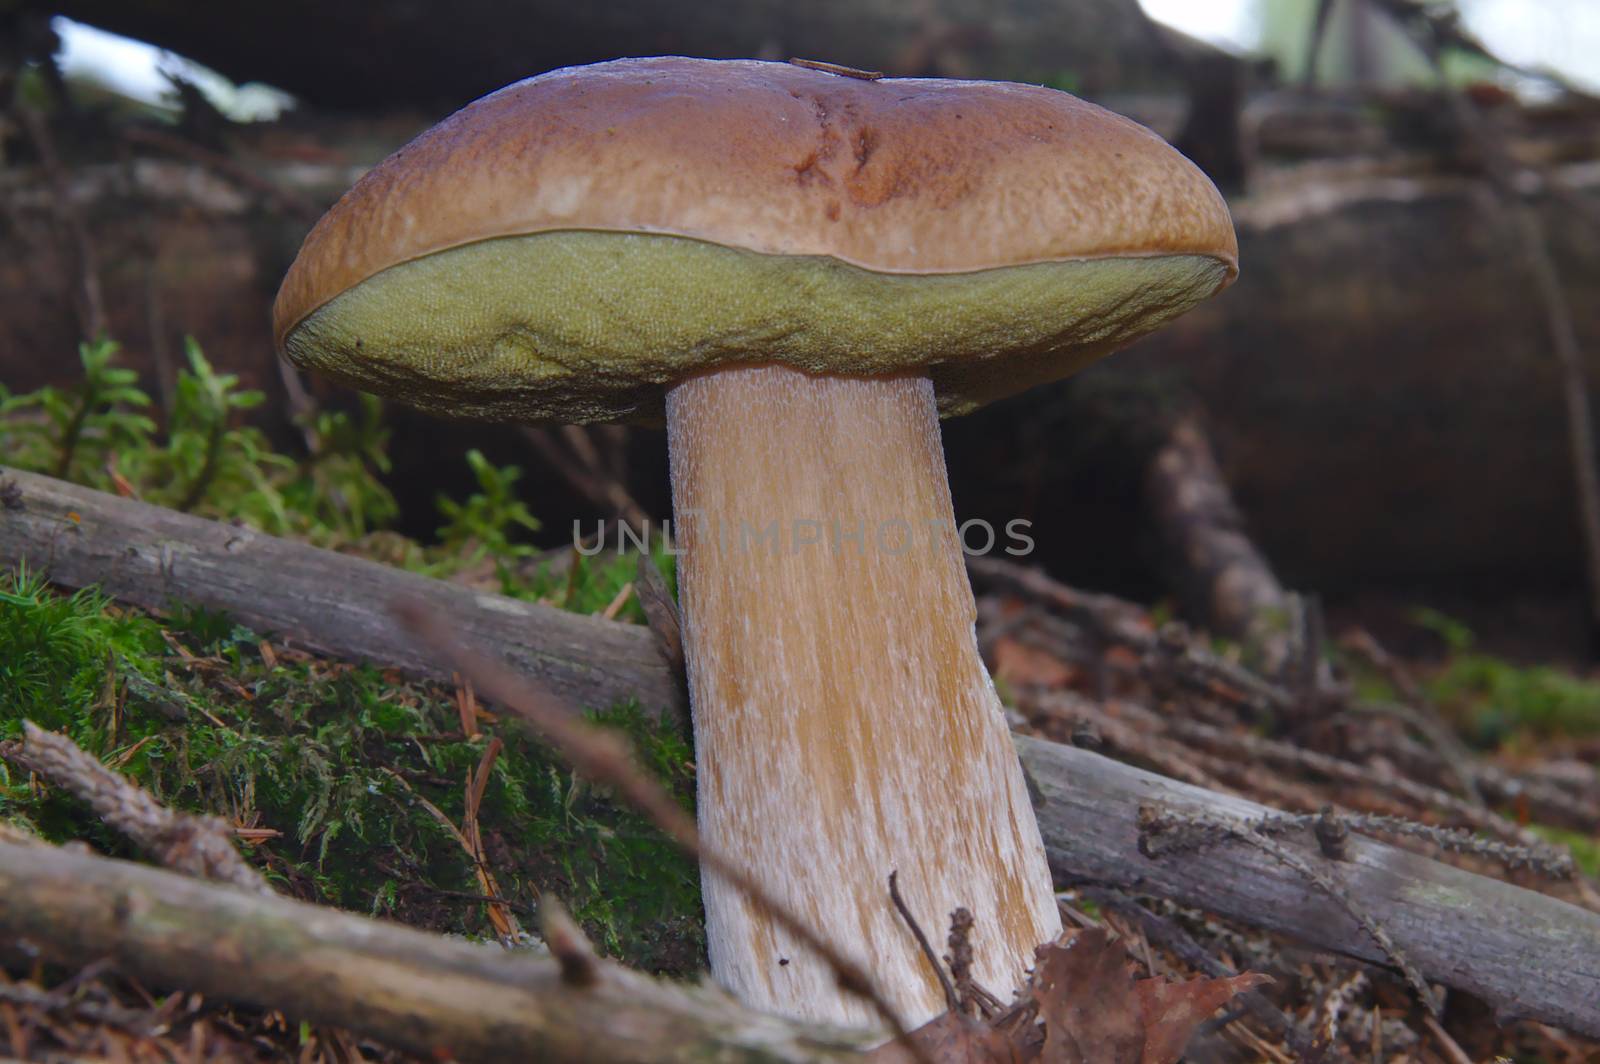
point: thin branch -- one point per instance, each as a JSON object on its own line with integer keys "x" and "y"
{"x": 579, "y": 463}
{"x": 225, "y": 166}
{"x": 951, "y": 1002}
{"x": 194, "y": 845}
{"x": 605, "y": 756}
{"x": 436, "y": 997}
{"x": 1215, "y": 829}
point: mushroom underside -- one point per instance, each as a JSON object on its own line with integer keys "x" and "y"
{"x": 586, "y": 325}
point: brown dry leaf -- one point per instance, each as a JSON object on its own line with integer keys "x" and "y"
{"x": 951, "y": 1039}
{"x": 1172, "y": 1012}
{"x": 1086, "y": 998}
{"x": 1093, "y": 1010}
{"x": 1095, "y": 1013}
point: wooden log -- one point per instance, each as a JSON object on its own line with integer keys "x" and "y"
{"x": 1527, "y": 955}
{"x": 318, "y": 599}
{"x": 436, "y": 997}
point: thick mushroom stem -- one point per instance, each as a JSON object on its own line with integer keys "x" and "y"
{"x": 845, "y": 726}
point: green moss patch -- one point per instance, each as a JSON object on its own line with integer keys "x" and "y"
{"x": 343, "y": 763}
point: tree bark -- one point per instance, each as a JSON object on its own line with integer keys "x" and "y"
{"x": 318, "y": 599}
{"x": 1527, "y": 955}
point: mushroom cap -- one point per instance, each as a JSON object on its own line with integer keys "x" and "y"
{"x": 566, "y": 248}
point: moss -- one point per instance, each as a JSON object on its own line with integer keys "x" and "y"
{"x": 339, "y": 759}
{"x": 1495, "y": 701}
{"x": 346, "y": 763}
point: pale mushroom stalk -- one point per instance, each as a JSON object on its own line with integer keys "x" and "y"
{"x": 845, "y": 726}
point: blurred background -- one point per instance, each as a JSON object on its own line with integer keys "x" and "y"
{"x": 1388, "y": 409}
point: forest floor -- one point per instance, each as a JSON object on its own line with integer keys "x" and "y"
{"x": 353, "y": 787}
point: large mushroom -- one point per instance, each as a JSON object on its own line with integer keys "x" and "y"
{"x": 801, "y": 270}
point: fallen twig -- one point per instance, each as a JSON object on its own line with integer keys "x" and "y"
{"x": 578, "y": 462}
{"x": 199, "y": 846}
{"x": 437, "y": 997}
{"x": 1155, "y": 823}
{"x": 604, "y": 755}
{"x": 316, "y": 599}
{"x": 951, "y": 1002}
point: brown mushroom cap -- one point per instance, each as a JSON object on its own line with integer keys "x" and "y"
{"x": 567, "y": 247}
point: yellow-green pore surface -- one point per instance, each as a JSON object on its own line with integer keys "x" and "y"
{"x": 574, "y": 326}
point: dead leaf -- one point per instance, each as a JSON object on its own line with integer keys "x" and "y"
{"x": 1172, "y": 1012}
{"x": 951, "y": 1038}
{"x": 1086, "y": 998}
{"x": 1095, "y": 1013}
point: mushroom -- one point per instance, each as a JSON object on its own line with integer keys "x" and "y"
{"x": 801, "y": 271}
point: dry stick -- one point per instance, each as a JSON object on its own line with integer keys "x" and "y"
{"x": 1224, "y": 827}
{"x": 227, "y": 167}
{"x": 436, "y": 997}
{"x": 316, "y": 599}
{"x": 661, "y": 614}
{"x": 580, "y": 964}
{"x": 1175, "y": 760}
{"x": 199, "y": 846}
{"x": 1447, "y": 747}
{"x": 1221, "y": 575}
{"x": 622, "y": 502}
{"x": 950, "y": 1000}
{"x": 1452, "y": 1052}
{"x": 1417, "y": 711}
{"x": 1112, "y": 619}
{"x": 604, "y": 756}
{"x": 133, "y": 1021}
{"x": 580, "y": 465}
{"x": 1257, "y": 748}
{"x": 1545, "y": 862}
{"x": 1140, "y": 740}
